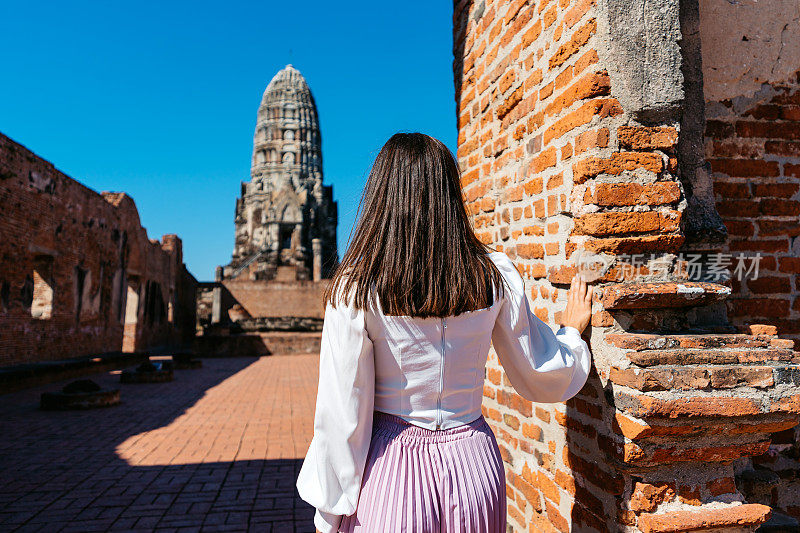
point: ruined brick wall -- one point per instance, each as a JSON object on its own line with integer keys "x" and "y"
{"x": 259, "y": 317}
{"x": 78, "y": 274}
{"x": 204, "y": 303}
{"x": 180, "y": 298}
{"x": 752, "y": 143}
{"x": 278, "y": 299}
{"x": 577, "y": 134}
{"x": 753, "y": 146}
{"x": 261, "y": 299}
{"x": 534, "y": 103}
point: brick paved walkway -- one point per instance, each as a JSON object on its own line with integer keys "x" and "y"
{"x": 218, "y": 449}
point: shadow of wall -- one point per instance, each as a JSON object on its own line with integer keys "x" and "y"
{"x": 171, "y": 455}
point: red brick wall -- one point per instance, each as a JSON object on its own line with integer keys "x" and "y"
{"x": 753, "y": 147}
{"x": 278, "y": 299}
{"x": 536, "y": 126}
{"x": 556, "y": 158}
{"x": 49, "y": 218}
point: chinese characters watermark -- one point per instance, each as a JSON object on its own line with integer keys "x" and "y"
{"x": 714, "y": 267}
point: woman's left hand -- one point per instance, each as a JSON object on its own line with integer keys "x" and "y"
{"x": 579, "y": 304}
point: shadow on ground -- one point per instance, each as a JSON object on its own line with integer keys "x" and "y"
{"x": 120, "y": 468}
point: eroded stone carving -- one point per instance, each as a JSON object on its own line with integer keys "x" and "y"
{"x": 285, "y": 206}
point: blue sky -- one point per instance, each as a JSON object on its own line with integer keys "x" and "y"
{"x": 159, "y": 99}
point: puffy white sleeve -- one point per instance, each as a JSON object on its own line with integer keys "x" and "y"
{"x": 542, "y": 366}
{"x": 330, "y": 478}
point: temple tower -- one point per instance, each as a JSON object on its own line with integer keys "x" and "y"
{"x": 285, "y": 218}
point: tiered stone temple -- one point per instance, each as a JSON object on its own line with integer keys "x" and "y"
{"x": 286, "y": 217}
{"x": 269, "y": 297}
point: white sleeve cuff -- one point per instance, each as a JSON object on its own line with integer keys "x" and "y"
{"x": 327, "y": 522}
{"x": 569, "y": 330}
{"x": 571, "y": 338}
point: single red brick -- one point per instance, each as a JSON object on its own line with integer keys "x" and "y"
{"x": 626, "y": 194}
{"x": 578, "y": 39}
{"x": 614, "y": 223}
{"x": 736, "y": 516}
{"x": 634, "y": 245}
{"x": 511, "y": 421}
{"x": 646, "y": 497}
{"x": 744, "y": 168}
{"x": 542, "y": 414}
{"x": 643, "y": 406}
{"x": 779, "y": 207}
{"x": 778, "y": 190}
{"x": 768, "y": 130}
{"x": 647, "y": 138}
{"x": 618, "y": 163}
{"x": 785, "y": 148}
{"x": 556, "y": 519}
{"x": 724, "y": 485}
{"x": 548, "y": 487}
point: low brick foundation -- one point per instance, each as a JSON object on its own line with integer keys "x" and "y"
{"x": 23, "y": 376}
{"x": 258, "y": 344}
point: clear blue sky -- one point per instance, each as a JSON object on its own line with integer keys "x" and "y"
{"x": 159, "y": 99}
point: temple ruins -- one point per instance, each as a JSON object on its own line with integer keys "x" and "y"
{"x": 269, "y": 297}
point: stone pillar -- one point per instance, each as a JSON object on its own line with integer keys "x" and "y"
{"x": 216, "y": 302}
{"x": 571, "y": 131}
{"x": 317, "y": 249}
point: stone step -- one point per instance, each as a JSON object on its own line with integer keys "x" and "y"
{"x": 659, "y": 295}
{"x": 663, "y": 378}
{"x": 704, "y": 356}
{"x": 702, "y": 405}
{"x": 662, "y": 430}
{"x": 649, "y": 341}
{"x": 733, "y": 516}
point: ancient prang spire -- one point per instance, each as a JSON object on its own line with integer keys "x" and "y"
{"x": 286, "y": 218}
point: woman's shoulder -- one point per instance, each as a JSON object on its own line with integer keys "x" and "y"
{"x": 507, "y": 269}
{"x": 501, "y": 260}
{"x": 495, "y": 255}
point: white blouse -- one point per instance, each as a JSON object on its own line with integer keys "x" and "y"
{"x": 428, "y": 371}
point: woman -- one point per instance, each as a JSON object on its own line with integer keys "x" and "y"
{"x": 400, "y": 444}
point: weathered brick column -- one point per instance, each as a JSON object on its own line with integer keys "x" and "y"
{"x": 581, "y": 138}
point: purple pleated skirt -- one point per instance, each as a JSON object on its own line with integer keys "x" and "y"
{"x": 419, "y": 480}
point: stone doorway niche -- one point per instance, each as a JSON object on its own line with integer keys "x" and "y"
{"x": 286, "y": 243}
{"x": 42, "y": 303}
{"x": 131, "y": 314}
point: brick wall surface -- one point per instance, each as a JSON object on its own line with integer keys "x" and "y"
{"x": 562, "y": 158}
{"x": 78, "y": 255}
{"x": 753, "y": 147}
{"x": 278, "y": 299}
{"x": 256, "y": 299}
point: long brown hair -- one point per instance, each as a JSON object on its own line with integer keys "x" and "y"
{"x": 413, "y": 245}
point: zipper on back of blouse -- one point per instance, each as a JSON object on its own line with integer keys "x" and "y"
{"x": 441, "y": 376}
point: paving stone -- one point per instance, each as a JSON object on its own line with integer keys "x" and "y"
{"x": 218, "y": 449}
